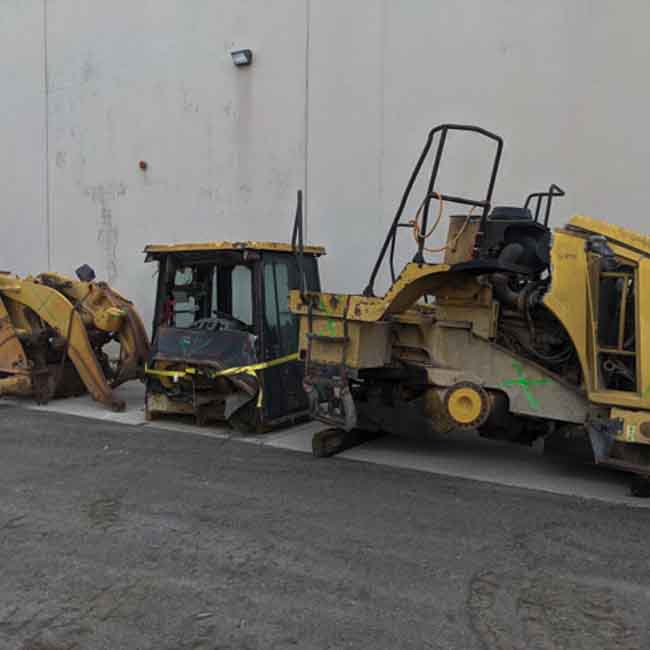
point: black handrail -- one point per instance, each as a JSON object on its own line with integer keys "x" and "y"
{"x": 443, "y": 129}
{"x": 553, "y": 190}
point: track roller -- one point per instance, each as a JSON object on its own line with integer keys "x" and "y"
{"x": 329, "y": 442}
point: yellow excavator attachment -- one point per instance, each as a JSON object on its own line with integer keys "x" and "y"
{"x": 14, "y": 366}
{"x": 104, "y": 309}
{"x": 52, "y": 331}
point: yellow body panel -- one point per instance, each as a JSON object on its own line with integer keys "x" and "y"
{"x": 570, "y": 299}
{"x": 643, "y": 327}
{"x": 616, "y": 234}
{"x": 635, "y": 426}
{"x": 415, "y": 281}
{"x": 368, "y": 344}
{"x": 567, "y": 296}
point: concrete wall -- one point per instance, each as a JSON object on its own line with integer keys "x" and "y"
{"x": 562, "y": 82}
{"x": 338, "y": 101}
{"x": 23, "y": 224}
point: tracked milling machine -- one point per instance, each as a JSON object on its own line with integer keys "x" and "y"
{"x": 518, "y": 332}
{"x": 53, "y": 330}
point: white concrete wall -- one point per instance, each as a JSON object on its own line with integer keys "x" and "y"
{"x": 565, "y": 83}
{"x": 154, "y": 81}
{"x": 23, "y": 226}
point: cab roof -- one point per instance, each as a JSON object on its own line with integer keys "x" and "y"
{"x": 206, "y": 247}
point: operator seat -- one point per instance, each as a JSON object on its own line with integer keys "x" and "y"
{"x": 513, "y": 237}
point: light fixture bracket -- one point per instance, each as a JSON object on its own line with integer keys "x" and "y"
{"x": 241, "y": 57}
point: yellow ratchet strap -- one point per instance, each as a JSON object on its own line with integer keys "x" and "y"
{"x": 251, "y": 370}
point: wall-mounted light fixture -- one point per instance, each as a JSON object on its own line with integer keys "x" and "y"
{"x": 241, "y": 57}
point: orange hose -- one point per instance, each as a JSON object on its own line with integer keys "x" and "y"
{"x": 419, "y": 236}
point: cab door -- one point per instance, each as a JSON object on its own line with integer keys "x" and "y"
{"x": 283, "y": 391}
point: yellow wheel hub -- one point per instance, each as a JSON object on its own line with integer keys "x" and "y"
{"x": 465, "y": 405}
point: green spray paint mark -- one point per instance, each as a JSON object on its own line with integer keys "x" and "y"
{"x": 322, "y": 306}
{"x": 525, "y": 384}
{"x": 646, "y": 392}
{"x": 184, "y": 344}
{"x": 328, "y": 327}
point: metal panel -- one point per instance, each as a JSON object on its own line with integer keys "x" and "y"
{"x": 531, "y": 390}
{"x": 643, "y": 336}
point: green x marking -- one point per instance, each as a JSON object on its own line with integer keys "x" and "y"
{"x": 525, "y": 384}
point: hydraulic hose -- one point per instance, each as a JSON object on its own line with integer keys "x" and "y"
{"x": 501, "y": 282}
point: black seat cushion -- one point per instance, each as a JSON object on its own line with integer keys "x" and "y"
{"x": 510, "y": 213}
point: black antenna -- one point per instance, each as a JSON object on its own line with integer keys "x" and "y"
{"x": 298, "y": 245}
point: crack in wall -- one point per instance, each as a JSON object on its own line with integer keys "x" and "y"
{"x": 108, "y": 234}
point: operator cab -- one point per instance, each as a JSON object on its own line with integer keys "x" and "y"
{"x": 223, "y": 305}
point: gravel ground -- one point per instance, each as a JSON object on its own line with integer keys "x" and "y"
{"x": 123, "y": 537}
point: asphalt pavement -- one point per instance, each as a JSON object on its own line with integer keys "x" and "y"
{"x": 121, "y": 536}
{"x": 462, "y": 454}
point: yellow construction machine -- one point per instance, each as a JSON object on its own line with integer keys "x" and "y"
{"x": 518, "y": 332}
{"x": 52, "y": 333}
{"x": 225, "y": 344}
